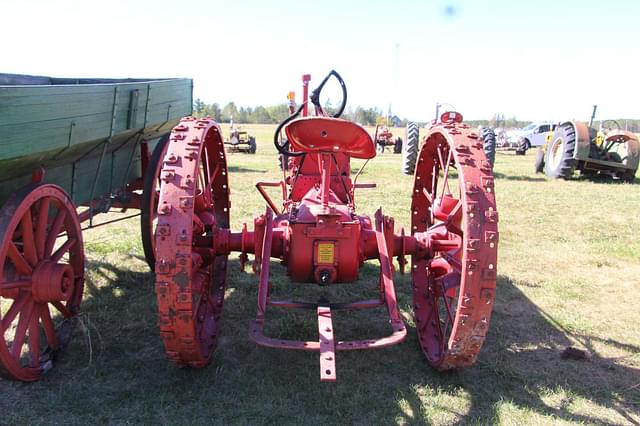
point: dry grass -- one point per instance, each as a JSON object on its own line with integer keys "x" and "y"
{"x": 569, "y": 274}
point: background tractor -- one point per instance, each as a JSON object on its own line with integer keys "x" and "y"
{"x": 384, "y": 138}
{"x": 607, "y": 152}
{"x": 240, "y": 141}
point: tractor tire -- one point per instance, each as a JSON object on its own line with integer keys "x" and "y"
{"x": 559, "y": 161}
{"x": 524, "y": 146}
{"x": 489, "y": 144}
{"x": 252, "y": 145}
{"x": 380, "y": 148}
{"x": 539, "y": 163}
{"x": 397, "y": 148}
{"x": 410, "y": 149}
{"x": 150, "y": 195}
{"x": 628, "y": 176}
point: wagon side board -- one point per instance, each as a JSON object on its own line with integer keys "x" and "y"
{"x": 85, "y": 133}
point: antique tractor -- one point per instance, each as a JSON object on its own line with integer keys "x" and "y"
{"x": 317, "y": 235}
{"x": 609, "y": 152}
{"x": 384, "y": 138}
{"x": 241, "y": 141}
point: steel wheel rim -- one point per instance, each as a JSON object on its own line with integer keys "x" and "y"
{"x": 453, "y": 291}
{"x": 190, "y": 284}
{"x": 54, "y": 268}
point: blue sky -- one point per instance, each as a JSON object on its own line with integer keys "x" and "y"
{"x": 534, "y": 60}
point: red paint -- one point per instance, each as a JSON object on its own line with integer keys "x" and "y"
{"x": 317, "y": 235}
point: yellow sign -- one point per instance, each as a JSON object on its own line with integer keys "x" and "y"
{"x": 325, "y": 253}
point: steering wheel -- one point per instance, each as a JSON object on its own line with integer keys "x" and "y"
{"x": 315, "y": 100}
{"x": 610, "y": 124}
{"x": 315, "y": 95}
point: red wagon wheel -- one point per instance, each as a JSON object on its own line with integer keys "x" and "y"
{"x": 150, "y": 195}
{"x": 41, "y": 279}
{"x": 190, "y": 278}
{"x": 453, "y": 201}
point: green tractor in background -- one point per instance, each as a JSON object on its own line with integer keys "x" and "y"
{"x": 609, "y": 152}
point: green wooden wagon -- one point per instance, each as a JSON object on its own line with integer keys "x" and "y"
{"x": 69, "y": 150}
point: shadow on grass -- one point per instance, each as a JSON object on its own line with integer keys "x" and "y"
{"x": 521, "y": 365}
{"x": 604, "y": 179}
{"x": 239, "y": 169}
{"x": 116, "y": 372}
{"x": 524, "y": 178}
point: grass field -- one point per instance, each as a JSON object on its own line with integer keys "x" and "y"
{"x": 568, "y": 275}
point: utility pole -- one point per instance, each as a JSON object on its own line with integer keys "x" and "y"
{"x": 395, "y": 85}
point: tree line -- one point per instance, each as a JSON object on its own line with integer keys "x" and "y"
{"x": 276, "y": 113}
{"x": 366, "y": 116}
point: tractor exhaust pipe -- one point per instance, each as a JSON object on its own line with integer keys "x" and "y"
{"x": 593, "y": 116}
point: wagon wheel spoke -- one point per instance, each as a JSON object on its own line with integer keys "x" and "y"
{"x": 19, "y": 262}
{"x": 21, "y": 283}
{"x": 13, "y": 311}
{"x": 54, "y": 231}
{"x": 34, "y": 336}
{"x": 66, "y": 246}
{"x": 28, "y": 240}
{"x": 41, "y": 226}
{"x": 62, "y": 309}
{"x": 49, "y": 328}
{"x": 21, "y": 329}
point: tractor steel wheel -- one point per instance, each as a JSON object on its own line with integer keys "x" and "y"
{"x": 454, "y": 286}
{"x": 559, "y": 161}
{"x": 41, "y": 279}
{"x": 191, "y": 279}
{"x": 150, "y": 192}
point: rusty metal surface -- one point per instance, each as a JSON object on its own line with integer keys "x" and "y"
{"x": 41, "y": 275}
{"x": 194, "y": 201}
{"x": 327, "y": 345}
{"x": 454, "y": 287}
{"x": 320, "y": 239}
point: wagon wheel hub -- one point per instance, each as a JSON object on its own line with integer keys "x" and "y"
{"x": 52, "y": 282}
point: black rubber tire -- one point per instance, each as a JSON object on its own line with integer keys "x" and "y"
{"x": 397, "y": 147}
{"x": 628, "y": 176}
{"x": 252, "y": 145}
{"x": 561, "y": 148}
{"x": 410, "y": 148}
{"x": 146, "y": 211}
{"x": 379, "y": 148}
{"x": 489, "y": 144}
{"x": 539, "y": 163}
{"x": 524, "y": 146}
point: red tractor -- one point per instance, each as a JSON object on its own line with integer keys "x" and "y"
{"x": 317, "y": 235}
{"x": 384, "y": 138}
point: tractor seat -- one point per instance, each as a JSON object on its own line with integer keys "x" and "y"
{"x": 327, "y": 134}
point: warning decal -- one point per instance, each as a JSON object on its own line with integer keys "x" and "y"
{"x": 325, "y": 253}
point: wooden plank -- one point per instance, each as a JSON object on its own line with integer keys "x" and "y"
{"x": 57, "y": 126}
